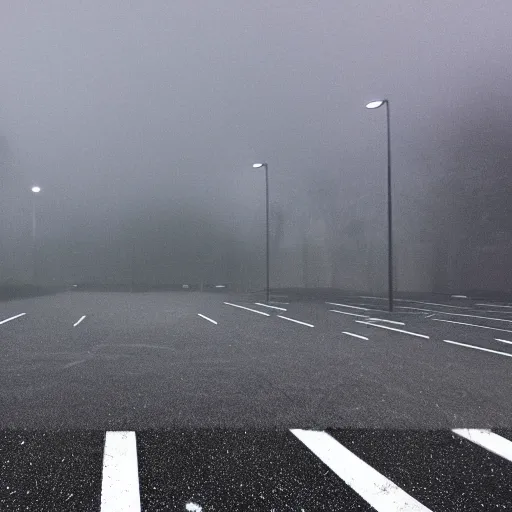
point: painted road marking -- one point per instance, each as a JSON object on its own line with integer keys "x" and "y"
{"x": 346, "y": 306}
{"x": 393, "y": 329}
{"x": 494, "y": 305}
{"x": 80, "y": 320}
{"x": 296, "y": 321}
{"x": 12, "y": 318}
{"x": 346, "y": 313}
{"x": 503, "y": 341}
{"x": 433, "y": 304}
{"x": 459, "y": 296}
{"x": 120, "y": 481}
{"x": 387, "y": 321}
{"x": 457, "y": 314}
{"x": 418, "y": 302}
{"x": 488, "y": 440}
{"x": 267, "y": 306}
{"x": 372, "y": 486}
{"x": 206, "y": 318}
{"x": 355, "y": 335}
{"x": 248, "y": 309}
{"x": 476, "y": 316}
{"x": 473, "y": 325}
{"x": 277, "y": 302}
{"x": 479, "y": 348}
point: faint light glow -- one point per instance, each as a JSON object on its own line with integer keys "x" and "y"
{"x": 186, "y": 286}
{"x": 375, "y": 104}
{"x": 257, "y": 166}
{"x": 193, "y": 507}
{"x": 36, "y": 189}
{"x": 220, "y": 286}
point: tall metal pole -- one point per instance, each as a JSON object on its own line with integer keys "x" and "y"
{"x": 268, "y": 234}
{"x": 34, "y": 243}
{"x": 390, "y": 225}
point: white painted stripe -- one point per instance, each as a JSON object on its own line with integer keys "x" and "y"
{"x": 458, "y": 314}
{"x": 346, "y": 306}
{"x": 267, "y": 306}
{"x": 248, "y": 309}
{"x": 296, "y": 321}
{"x": 504, "y": 341}
{"x": 432, "y": 303}
{"x": 418, "y": 309}
{"x": 488, "y": 440}
{"x": 346, "y": 313}
{"x": 478, "y": 348}
{"x": 206, "y": 318}
{"x": 393, "y": 329}
{"x": 494, "y": 305}
{"x": 459, "y": 296}
{"x": 76, "y": 323}
{"x": 120, "y": 481}
{"x": 472, "y": 325}
{"x": 476, "y": 316}
{"x": 387, "y": 321}
{"x": 382, "y": 494}
{"x": 277, "y": 302}
{"x": 355, "y": 335}
{"x": 12, "y": 318}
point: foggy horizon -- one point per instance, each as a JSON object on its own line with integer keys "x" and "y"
{"x": 141, "y": 125}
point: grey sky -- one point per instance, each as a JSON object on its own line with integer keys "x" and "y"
{"x": 173, "y": 101}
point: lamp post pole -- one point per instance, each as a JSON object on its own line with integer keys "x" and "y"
{"x": 267, "y": 287}
{"x": 372, "y": 105}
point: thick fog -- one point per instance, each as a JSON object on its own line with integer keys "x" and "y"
{"x": 140, "y": 121}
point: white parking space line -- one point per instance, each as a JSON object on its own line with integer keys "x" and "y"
{"x": 493, "y": 305}
{"x": 80, "y": 320}
{"x": 472, "y": 325}
{"x": 488, "y": 440}
{"x": 206, "y": 318}
{"x": 459, "y": 314}
{"x": 387, "y": 321}
{"x": 347, "y": 313}
{"x": 476, "y": 316}
{"x": 268, "y": 306}
{"x": 277, "y": 302}
{"x": 12, "y": 318}
{"x": 296, "y": 321}
{"x": 503, "y": 341}
{"x": 382, "y": 494}
{"x": 120, "y": 480}
{"x": 355, "y": 335}
{"x": 393, "y": 329}
{"x": 478, "y": 348}
{"x": 432, "y": 304}
{"x": 248, "y": 309}
{"x": 347, "y": 306}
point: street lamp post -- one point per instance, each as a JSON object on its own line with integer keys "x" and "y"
{"x": 373, "y": 105}
{"x": 35, "y": 191}
{"x": 258, "y": 166}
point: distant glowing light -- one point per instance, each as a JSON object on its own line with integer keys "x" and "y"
{"x": 257, "y": 166}
{"x": 375, "y": 104}
{"x": 36, "y": 189}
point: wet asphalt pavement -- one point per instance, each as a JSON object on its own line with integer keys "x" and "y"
{"x": 211, "y": 399}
